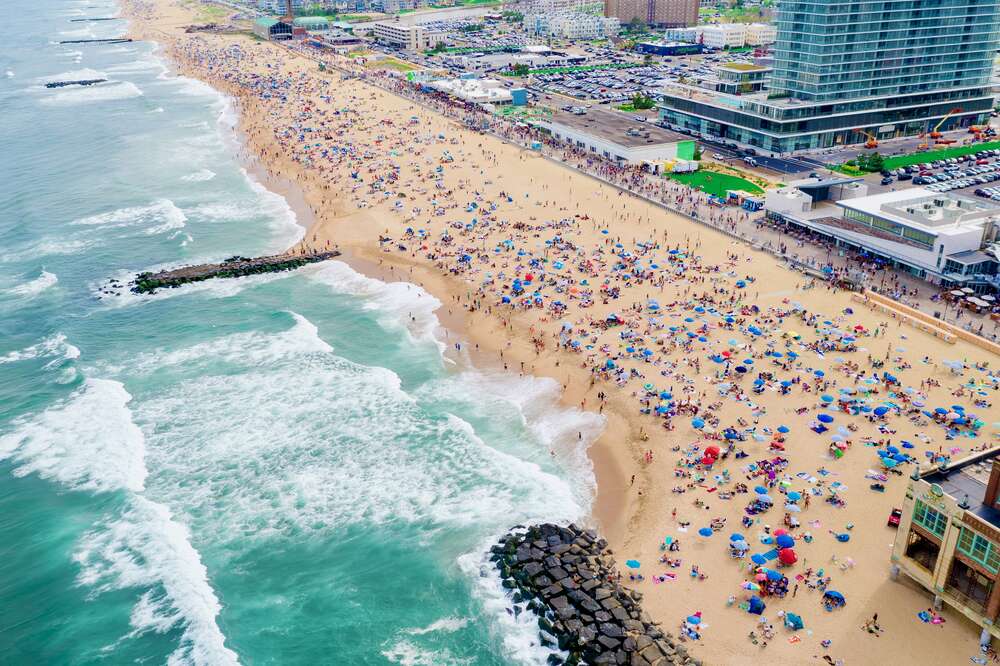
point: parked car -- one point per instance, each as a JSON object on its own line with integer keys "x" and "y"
{"x": 888, "y": 180}
{"x": 894, "y": 517}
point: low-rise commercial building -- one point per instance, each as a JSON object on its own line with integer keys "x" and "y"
{"x": 738, "y": 78}
{"x": 759, "y": 34}
{"x": 936, "y": 236}
{"x": 606, "y": 135}
{"x": 409, "y": 37}
{"x": 948, "y": 539}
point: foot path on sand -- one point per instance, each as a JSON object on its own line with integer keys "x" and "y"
{"x": 760, "y": 425}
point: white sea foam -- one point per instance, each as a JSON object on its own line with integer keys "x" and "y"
{"x": 247, "y": 348}
{"x": 445, "y": 625}
{"x": 146, "y": 548}
{"x": 406, "y": 653}
{"x": 199, "y": 176}
{"x": 187, "y": 86}
{"x": 516, "y": 634}
{"x": 401, "y": 303}
{"x": 68, "y": 443}
{"x": 158, "y": 216}
{"x": 34, "y": 287}
{"x": 52, "y": 346}
{"x": 48, "y": 247}
{"x": 102, "y": 92}
{"x": 74, "y": 75}
{"x": 281, "y": 217}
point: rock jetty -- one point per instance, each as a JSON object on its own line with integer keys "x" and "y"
{"x": 568, "y": 577}
{"x": 147, "y": 283}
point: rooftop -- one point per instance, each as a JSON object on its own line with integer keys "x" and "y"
{"x": 921, "y": 208}
{"x": 969, "y": 477}
{"x": 611, "y": 126}
{"x": 743, "y": 67}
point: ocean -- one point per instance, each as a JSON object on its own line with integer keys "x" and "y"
{"x": 284, "y": 469}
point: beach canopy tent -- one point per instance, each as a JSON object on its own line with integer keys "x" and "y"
{"x": 271, "y": 28}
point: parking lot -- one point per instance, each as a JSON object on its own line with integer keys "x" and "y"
{"x": 969, "y": 175}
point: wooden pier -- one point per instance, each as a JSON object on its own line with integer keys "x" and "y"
{"x": 148, "y": 283}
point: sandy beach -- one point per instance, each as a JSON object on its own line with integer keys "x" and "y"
{"x": 681, "y": 336}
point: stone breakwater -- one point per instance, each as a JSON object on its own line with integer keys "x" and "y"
{"x": 147, "y": 283}
{"x": 568, "y": 577}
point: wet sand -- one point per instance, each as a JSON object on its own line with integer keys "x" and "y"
{"x": 635, "y": 500}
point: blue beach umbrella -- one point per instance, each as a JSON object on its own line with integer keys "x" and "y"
{"x": 705, "y": 531}
{"x": 825, "y": 418}
{"x": 783, "y": 429}
{"x": 632, "y": 564}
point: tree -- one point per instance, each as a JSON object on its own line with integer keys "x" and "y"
{"x": 697, "y": 152}
{"x": 641, "y": 103}
{"x": 520, "y": 69}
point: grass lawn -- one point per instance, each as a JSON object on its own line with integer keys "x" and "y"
{"x": 392, "y": 63}
{"x": 712, "y": 182}
{"x": 944, "y": 153}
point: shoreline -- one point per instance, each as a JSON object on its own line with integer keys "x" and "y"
{"x": 610, "y": 510}
{"x": 633, "y": 519}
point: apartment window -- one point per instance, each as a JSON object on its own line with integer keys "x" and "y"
{"x": 933, "y": 521}
{"x": 980, "y": 549}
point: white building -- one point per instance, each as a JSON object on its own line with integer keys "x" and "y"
{"x": 409, "y": 37}
{"x": 937, "y": 236}
{"x": 726, "y": 35}
{"x": 759, "y": 34}
{"x": 480, "y": 91}
{"x": 609, "y": 135}
{"x": 571, "y": 25}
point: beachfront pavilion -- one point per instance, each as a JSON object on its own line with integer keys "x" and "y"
{"x": 939, "y": 237}
{"x": 610, "y": 135}
{"x": 948, "y": 540}
{"x": 272, "y": 29}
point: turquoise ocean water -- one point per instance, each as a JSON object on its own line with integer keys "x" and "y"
{"x": 278, "y": 470}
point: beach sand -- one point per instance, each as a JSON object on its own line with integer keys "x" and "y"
{"x": 399, "y": 147}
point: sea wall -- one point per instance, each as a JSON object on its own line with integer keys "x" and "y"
{"x": 567, "y": 577}
{"x": 147, "y": 283}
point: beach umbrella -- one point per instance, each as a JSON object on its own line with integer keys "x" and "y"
{"x": 818, "y": 373}
{"x": 632, "y": 564}
{"x": 753, "y": 587}
{"x": 783, "y": 429}
{"x": 694, "y": 619}
{"x": 833, "y": 594}
{"x": 697, "y": 423}
{"x": 757, "y": 605}
{"x": 826, "y": 398}
{"x": 784, "y": 541}
{"x": 824, "y": 418}
{"x": 881, "y": 411}
{"x": 712, "y": 451}
{"x": 773, "y": 574}
{"x": 708, "y": 460}
{"x": 740, "y": 545}
{"x": 787, "y": 556}
{"x": 795, "y": 496}
{"x": 793, "y": 621}
{"x": 766, "y": 499}
{"x": 705, "y": 531}
{"x": 737, "y": 537}
{"x": 760, "y": 490}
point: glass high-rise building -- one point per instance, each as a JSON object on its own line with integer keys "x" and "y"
{"x": 891, "y": 68}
